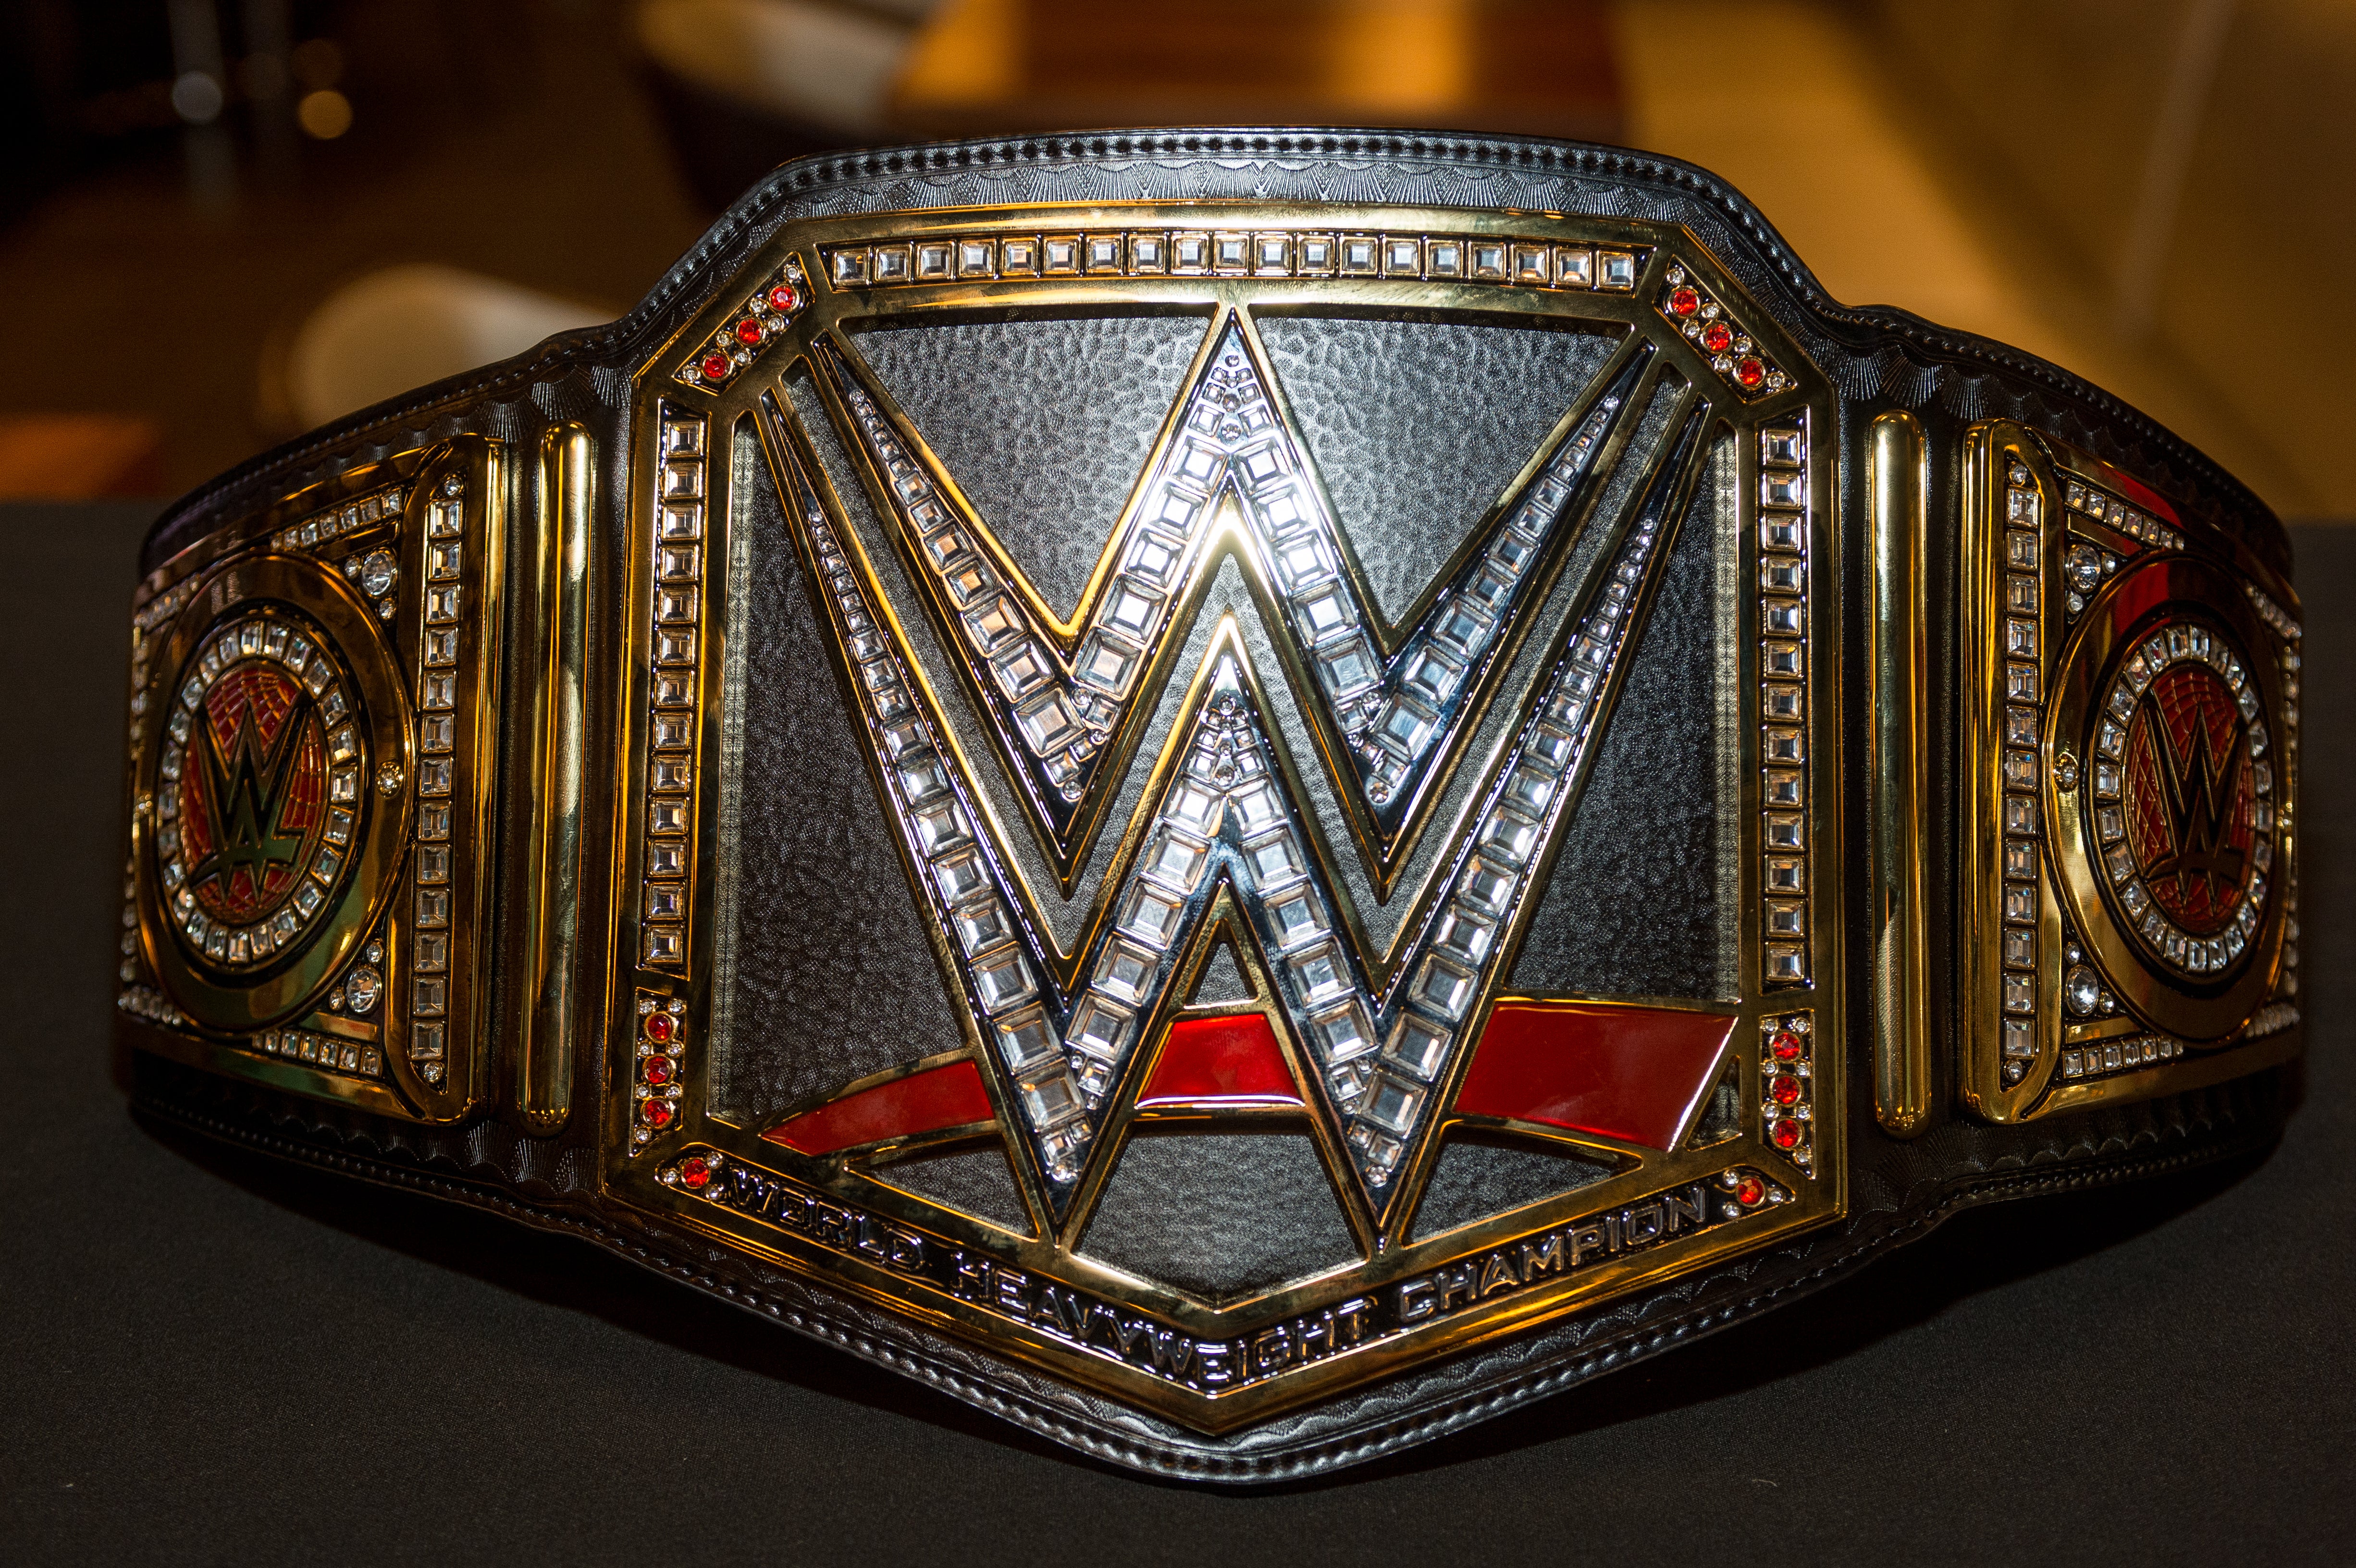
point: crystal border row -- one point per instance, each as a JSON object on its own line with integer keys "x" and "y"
{"x": 2087, "y": 500}
{"x": 1261, "y": 253}
{"x": 2021, "y": 631}
{"x": 658, "y": 1063}
{"x": 2273, "y": 613}
{"x": 441, "y": 606}
{"x": 262, "y": 636}
{"x": 2118, "y": 1055}
{"x": 1787, "y": 1086}
{"x": 330, "y": 523}
{"x": 2180, "y": 642}
{"x": 767, "y": 311}
{"x": 1732, "y": 351}
{"x": 1784, "y": 459}
{"x": 675, "y": 618}
{"x": 320, "y": 1051}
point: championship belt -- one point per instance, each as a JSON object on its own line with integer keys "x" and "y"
{"x": 1245, "y": 796}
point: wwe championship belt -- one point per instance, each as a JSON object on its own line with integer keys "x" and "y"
{"x": 1244, "y": 796}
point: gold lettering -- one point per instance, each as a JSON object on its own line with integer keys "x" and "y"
{"x": 1584, "y": 1239}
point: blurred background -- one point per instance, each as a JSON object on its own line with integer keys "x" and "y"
{"x": 222, "y": 221}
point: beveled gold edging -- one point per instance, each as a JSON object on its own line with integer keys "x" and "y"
{"x": 1897, "y": 485}
{"x": 566, "y": 498}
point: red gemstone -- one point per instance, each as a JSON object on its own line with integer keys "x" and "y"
{"x": 659, "y": 1070}
{"x": 1784, "y": 1090}
{"x": 748, "y": 331}
{"x": 1786, "y": 1133}
{"x": 657, "y": 1112}
{"x": 715, "y": 367}
{"x": 661, "y": 1027}
{"x": 1684, "y": 301}
{"x": 784, "y": 300}
{"x": 1747, "y": 1192}
{"x": 694, "y": 1172}
{"x": 1749, "y": 370}
{"x": 1784, "y": 1045}
{"x": 1716, "y": 336}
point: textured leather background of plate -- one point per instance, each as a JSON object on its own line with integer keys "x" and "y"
{"x": 1877, "y": 359}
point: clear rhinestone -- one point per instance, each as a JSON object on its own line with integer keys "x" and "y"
{"x": 377, "y": 573}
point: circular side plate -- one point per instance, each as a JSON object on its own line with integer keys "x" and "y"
{"x": 267, "y": 838}
{"x": 2169, "y": 836}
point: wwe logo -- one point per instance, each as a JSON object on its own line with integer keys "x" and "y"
{"x": 2198, "y": 790}
{"x": 1222, "y": 844}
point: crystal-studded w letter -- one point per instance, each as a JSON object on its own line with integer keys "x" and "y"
{"x": 1278, "y": 759}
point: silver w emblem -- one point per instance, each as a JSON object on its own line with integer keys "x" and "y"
{"x": 1228, "y": 533}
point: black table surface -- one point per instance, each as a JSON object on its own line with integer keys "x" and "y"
{"x": 213, "y": 1356}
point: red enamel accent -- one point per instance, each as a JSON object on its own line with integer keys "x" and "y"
{"x": 694, "y": 1172}
{"x": 2144, "y": 496}
{"x": 926, "y": 1101}
{"x": 1716, "y": 336}
{"x": 715, "y": 367}
{"x": 1221, "y": 1062}
{"x": 1685, "y": 301}
{"x": 1631, "y": 1073}
{"x": 659, "y": 1027}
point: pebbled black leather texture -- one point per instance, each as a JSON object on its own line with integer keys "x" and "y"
{"x": 825, "y": 913}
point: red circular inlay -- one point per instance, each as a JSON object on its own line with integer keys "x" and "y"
{"x": 1717, "y": 336}
{"x": 1749, "y": 370}
{"x": 748, "y": 331}
{"x": 659, "y": 1070}
{"x": 2190, "y": 802}
{"x": 715, "y": 367}
{"x": 1785, "y": 1133}
{"x": 1684, "y": 301}
{"x": 693, "y": 1172}
{"x": 1784, "y": 1045}
{"x": 784, "y": 300}
{"x": 1749, "y": 1191}
{"x": 1784, "y": 1090}
{"x": 657, "y": 1112}
{"x": 659, "y": 1027}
